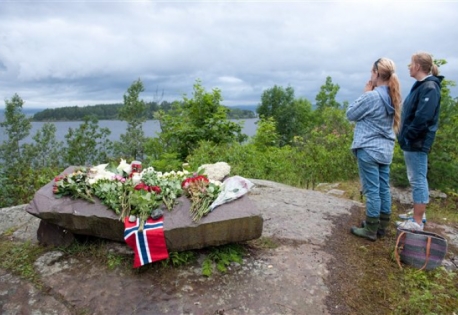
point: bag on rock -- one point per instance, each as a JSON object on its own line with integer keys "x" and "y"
{"x": 420, "y": 249}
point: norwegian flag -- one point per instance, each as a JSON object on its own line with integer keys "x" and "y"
{"x": 148, "y": 245}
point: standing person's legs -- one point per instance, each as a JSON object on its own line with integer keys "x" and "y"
{"x": 369, "y": 175}
{"x": 385, "y": 193}
{"x": 385, "y": 198}
{"x": 417, "y": 169}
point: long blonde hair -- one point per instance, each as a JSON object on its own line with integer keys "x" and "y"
{"x": 386, "y": 70}
{"x": 426, "y": 63}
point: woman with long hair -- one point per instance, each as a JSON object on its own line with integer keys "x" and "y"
{"x": 377, "y": 114}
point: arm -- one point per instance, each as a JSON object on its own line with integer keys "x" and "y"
{"x": 361, "y": 107}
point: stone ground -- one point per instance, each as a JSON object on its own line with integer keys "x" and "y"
{"x": 292, "y": 278}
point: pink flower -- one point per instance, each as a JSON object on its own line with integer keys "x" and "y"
{"x": 119, "y": 178}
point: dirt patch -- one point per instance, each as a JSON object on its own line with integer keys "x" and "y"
{"x": 358, "y": 273}
{"x": 362, "y": 272}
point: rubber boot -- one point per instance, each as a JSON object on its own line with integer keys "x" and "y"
{"x": 384, "y": 223}
{"x": 369, "y": 231}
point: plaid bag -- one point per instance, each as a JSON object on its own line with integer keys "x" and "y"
{"x": 420, "y": 249}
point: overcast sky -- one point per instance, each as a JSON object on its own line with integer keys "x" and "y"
{"x": 66, "y": 53}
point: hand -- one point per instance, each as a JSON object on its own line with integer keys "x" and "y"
{"x": 369, "y": 86}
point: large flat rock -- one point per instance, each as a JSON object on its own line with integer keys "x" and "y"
{"x": 237, "y": 221}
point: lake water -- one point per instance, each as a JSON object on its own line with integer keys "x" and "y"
{"x": 117, "y": 127}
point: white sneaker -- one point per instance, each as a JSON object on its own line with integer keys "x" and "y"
{"x": 409, "y": 216}
{"x": 410, "y": 225}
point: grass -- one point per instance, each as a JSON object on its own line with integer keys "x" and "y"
{"x": 367, "y": 280}
{"x": 19, "y": 258}
{"x": 444, "y": 211}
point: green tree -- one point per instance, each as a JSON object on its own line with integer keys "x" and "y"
{"x": 443, "y": 161}
{"x": 327, "y": 95}
{"x": 45, "y": 151}
{"x": 294, "y": 119}
{"x": 17, "y": 127}
{"x": 292, "y": 116}
{"x": 134, "y": 112}
{"x": 273, "y": 100}
{"x": 18, "y": 176}
{"x": 200, "y": 118}
{"x": 88, "y": 144}
{"x": 266, "y": 134}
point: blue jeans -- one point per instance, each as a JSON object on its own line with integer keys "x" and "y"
{"x": 417, "y": 169}
{"x": 375, "y": 179}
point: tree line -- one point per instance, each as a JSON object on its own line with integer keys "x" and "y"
{"x": 111, "y": 112}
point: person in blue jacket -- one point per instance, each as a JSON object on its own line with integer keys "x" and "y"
{"x": 377, "y": 115}
{"x": 419, "y": 123}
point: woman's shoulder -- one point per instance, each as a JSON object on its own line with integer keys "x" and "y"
{"x": 431, "y": 86}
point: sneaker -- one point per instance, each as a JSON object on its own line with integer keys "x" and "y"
{"x": 410, "y": 225}
{"x": 409, "y": 216}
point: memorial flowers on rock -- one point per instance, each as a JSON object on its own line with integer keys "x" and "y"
{"x": 169, "y": 183}
{"x": 143, "y": 200}
{"x": 130, "y": 191}
{"x": 202, "y": 192}
{"x": 74, "y": 185}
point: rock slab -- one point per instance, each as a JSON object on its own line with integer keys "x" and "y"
{"x": 237, "y": 221}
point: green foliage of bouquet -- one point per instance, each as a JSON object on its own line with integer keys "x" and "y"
{"x": 143, "y": 200}
{"x": 202, "y": 193}
{"x": 132, "y": 193}
{"x": 74, "y": 185}
{"x": 113, "y": 193}
{"x": 170, "y": 184}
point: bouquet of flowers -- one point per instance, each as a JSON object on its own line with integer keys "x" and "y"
{"x": 74, "y": 185}
{"x": 170, "y": 184}
{"x": 113, "y": 193}
{"x": 144, "y": 199}
{"x": 128, "y": 190}
{"x": 202, "y": 193}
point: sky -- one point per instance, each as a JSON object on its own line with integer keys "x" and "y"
{"x": 66, "y": 53}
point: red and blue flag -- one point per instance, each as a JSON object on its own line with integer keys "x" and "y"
{"x": 148, "y": 245}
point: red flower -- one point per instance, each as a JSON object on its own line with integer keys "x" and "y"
{"x": 193, "y": 179}
{"x": 156, "y": 189}
{"x": 143, "y": 186}
{"x": 140, "y": 186}
{"x": 59, "y": 178}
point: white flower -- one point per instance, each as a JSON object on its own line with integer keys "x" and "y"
{"x": 216, "y": 171}
{"x": 98, "y": 168}
{"x": 101, "y": 173}
{"x": 123, "y": 166}
{"x": 216, "y": 182}
{"x": 147, "y": 170}
{"x": 136, "y": 178}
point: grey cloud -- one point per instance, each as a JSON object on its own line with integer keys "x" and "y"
{"x": 85, "y": 53}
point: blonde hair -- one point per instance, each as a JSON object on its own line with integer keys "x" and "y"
{"x": 426, "y": 63}
{"x": 386, "y": 70}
